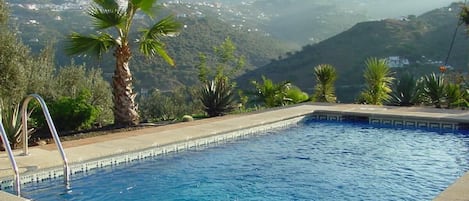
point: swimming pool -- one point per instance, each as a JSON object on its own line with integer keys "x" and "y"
{"x": 312, "y": 161}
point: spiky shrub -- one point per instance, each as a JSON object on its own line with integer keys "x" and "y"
{"x": 378, "y": 80}
{"x": 10, "y": 117}
{"x": 434, "y": 90}
{"x": 406, "y": 91}
{"x": 294, "y": 95}
{"x": 324, "y": 91}
{"x": 456, "y": 96}
{"x": 217, "y": 97}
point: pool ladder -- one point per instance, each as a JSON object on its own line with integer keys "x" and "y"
{"x": 24, "y": 119}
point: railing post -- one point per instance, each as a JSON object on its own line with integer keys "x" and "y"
{"x": 14, "y": 166}
{"x": 24, "y": 120}
{"x": 52, "y": 129}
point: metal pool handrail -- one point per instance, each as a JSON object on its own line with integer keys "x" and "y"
{"x": 14, "y": 166}
{"x": 52, "y": 129}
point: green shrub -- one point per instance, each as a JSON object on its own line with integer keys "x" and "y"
{"x": 278, "y": 94}
{"x": 159, "y": 106}
{"x": 295, "y": 95}
{"x": 70, "y": 114}
{"x": 71, "y": 80}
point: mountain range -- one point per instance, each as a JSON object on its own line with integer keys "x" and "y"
{"x": 281, "y": 39}
{"x": 424, "y": 41}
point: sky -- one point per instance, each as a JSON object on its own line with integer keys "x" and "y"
{"x": 395, "y": 8}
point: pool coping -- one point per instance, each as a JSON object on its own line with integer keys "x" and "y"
{"x": 123, "y": 147}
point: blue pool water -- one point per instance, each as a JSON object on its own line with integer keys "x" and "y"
{"x": 312, "y": 161}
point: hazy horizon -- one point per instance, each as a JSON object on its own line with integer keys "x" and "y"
{"x": 403, "y": 7}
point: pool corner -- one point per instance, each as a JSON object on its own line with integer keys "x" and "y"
{"x": 4, "y": 196}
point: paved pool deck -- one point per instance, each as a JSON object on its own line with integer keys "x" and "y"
{"x": 46, "y": 157}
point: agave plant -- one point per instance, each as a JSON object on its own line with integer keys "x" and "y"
{"x": 456, "y": 96}
{"x": 217, "y": 97}
{"x": 325, "y": 78}
{"x": 10, "y": 117}
{"x": 406, "y": 91}
{"x": 434, "y": 90}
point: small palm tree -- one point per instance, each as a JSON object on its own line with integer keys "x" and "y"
{"x": 325, "y": 77}
{"x": 109, "y": 14}
{"x": 270, "y": 93}
{"x": 406, "y": 91}
{"x": 434, "y": 90}
{"x": 278, "y": 94}
{"x": 378, "y": 79}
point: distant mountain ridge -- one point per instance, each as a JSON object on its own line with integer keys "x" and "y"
{"x": 424, "y": 40}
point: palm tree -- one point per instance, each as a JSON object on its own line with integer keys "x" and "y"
{"x": 109, "y": 14}
{"x": 270, "y": 93}
{"x": 325, "y": 78}
{"x": 378, "y": 78}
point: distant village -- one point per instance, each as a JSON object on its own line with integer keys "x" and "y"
{"x": 238, "y": 16}
{"x": 233, "y": 14}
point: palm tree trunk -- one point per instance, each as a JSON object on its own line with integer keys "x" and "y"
{"x": 125, "y": 109}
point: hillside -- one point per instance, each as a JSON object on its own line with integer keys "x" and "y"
{"x": 42, "y": 24}
{"x": 424, "y": 40}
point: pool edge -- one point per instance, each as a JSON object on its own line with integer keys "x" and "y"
{"x": 456, "y": 191}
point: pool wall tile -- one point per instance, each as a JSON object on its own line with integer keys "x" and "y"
{"x": 153, "y": 152}
{"x": 389, "y": 120}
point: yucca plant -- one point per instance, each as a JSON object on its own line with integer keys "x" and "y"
{"x": 406, "y": 91}
{"x": 378, "y": 79}
{"x": 325, "y": 77}
{"x": 217, "y": 97}
{"x": 434, "y": 90}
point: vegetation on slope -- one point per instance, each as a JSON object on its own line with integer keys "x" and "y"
{"x": 419, "y": 39}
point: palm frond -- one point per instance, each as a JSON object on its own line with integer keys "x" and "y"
{"x": 145, "y": 6}
{"x": 95, "y": 44}
{"x": 107, "y": 4}
{"x": 106, "y": 18}
{"x": 165, "y": 27}
{"x": 152, "y": 48}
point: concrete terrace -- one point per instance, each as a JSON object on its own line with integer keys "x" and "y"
{"x": 46, "y": 158}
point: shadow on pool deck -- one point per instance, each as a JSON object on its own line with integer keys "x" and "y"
{"x": 79, "y": 151}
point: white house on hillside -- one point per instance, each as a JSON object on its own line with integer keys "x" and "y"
{"x": 397, "y": 61}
